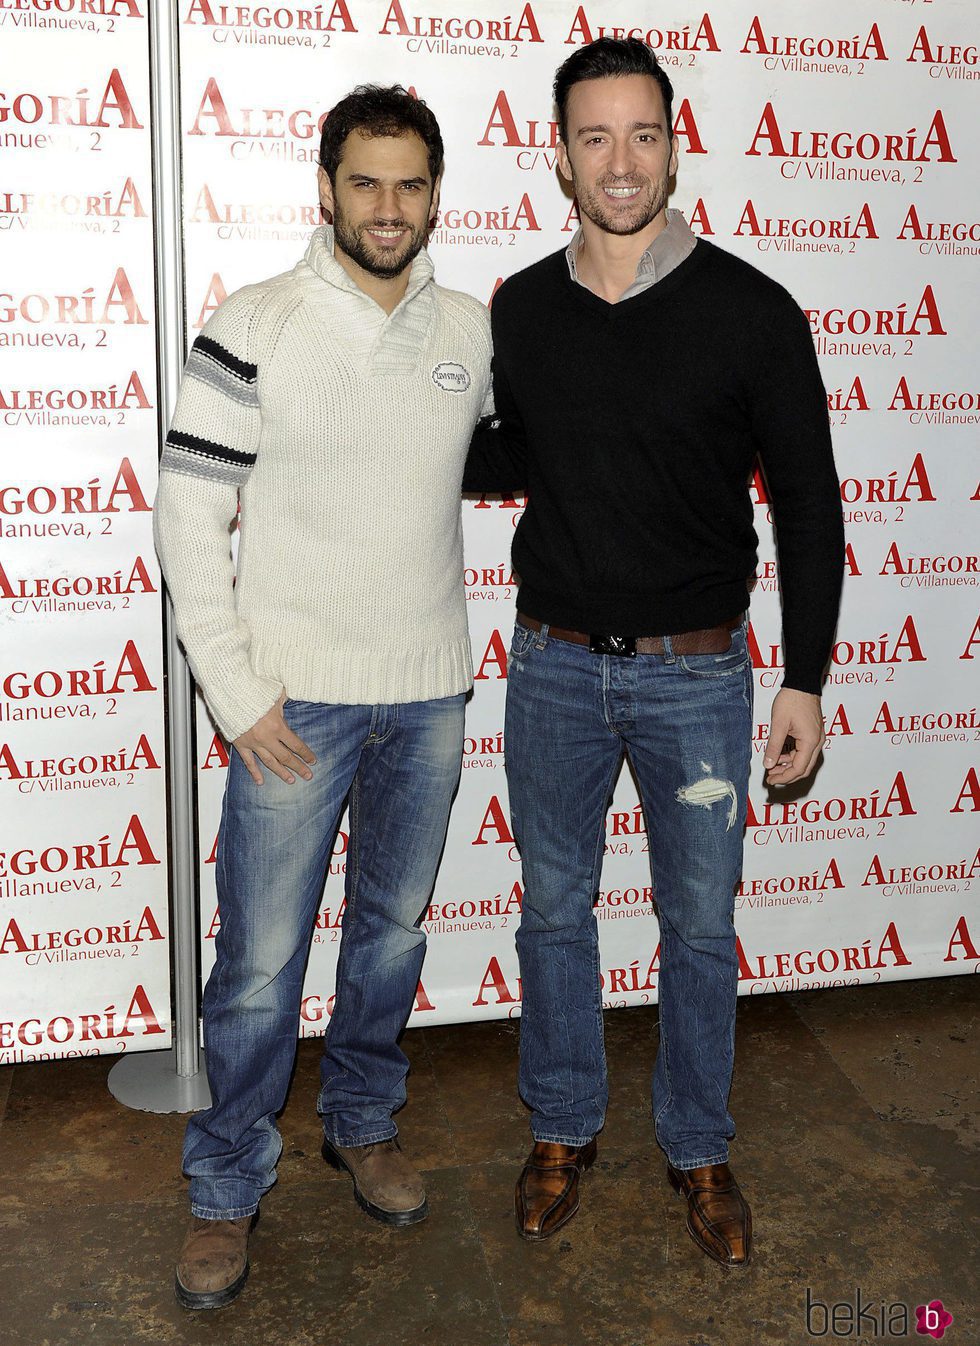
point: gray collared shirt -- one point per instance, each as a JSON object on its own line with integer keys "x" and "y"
{"x": 666, "y": 252}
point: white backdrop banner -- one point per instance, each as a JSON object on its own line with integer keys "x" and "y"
{"x": 84, "y": 945}
{"x": 833, "y": 146}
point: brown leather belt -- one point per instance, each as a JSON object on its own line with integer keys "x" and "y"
{"x": 712, "y": 640}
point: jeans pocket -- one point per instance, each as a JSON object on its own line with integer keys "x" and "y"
{"x": 294, "y": 710}
{"x": 521, "y": 641}
{"x": 732, "y": 660}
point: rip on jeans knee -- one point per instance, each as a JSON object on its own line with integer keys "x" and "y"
{"x": 708, "y": 792}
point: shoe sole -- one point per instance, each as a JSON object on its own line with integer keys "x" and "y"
{"x": 397, "y": 1219}
{"x": 529, "y": 1237}
{"x": 210, "y": 1299}
{"x": 695, "y": 1238}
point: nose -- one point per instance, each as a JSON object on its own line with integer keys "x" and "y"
{"x": 621, "y": 158}
{"x": 387, "y": 206}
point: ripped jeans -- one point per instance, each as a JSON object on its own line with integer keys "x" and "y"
{"x": 686, "y": 723}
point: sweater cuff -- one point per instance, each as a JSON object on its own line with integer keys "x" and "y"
{"x": 801, "y": 681}
{"x": 236, "y": 709}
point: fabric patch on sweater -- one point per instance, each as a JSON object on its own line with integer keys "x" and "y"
{"x": 450, "y": 377}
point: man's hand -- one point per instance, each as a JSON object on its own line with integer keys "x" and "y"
{"x": 796, "y": 735}
{"x": 276, "y": 746}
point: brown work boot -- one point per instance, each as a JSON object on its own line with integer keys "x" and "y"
{"x": 547, "y": 1190}
{"x": 212, "y": 1266}
{"x": 718, "y": 1216}
{"x": 385, "y": 1183}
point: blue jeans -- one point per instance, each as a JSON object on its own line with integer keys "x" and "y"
{"x": 685, "y": 722}
{"x": 400, "y": 765}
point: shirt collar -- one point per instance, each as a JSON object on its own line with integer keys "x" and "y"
{"x": 667, "y": 250}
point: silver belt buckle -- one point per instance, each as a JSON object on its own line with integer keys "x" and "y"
{"x": 624, "y": 646}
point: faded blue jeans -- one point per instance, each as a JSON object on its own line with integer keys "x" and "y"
{"x": 400, "y": 765}
{"x": 686, "y": 723}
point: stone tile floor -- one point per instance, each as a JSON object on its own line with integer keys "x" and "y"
{"x": 858, "y": 1143}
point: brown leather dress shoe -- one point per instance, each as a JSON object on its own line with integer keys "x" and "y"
{"x": 718, "y": 1216}
{"x": 212, "y": 1265}
{"x": 547, "y": 1190}
{"x": 386, "y": 1185}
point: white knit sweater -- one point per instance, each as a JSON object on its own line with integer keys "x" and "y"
{"x": 342, "y": 431}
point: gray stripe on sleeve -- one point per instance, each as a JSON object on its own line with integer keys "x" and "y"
{"x": 198, "y": 465}
{"x": 206, "y": 370}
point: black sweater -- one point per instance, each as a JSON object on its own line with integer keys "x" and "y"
{"x": 634, "y": 428}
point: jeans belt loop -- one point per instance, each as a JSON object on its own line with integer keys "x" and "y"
{"x": 669, "y": 656}
{"x": 542, "y": 639}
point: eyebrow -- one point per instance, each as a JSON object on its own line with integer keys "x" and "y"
{"x": 634, "y": 126}
{"x": 402, "y": 182}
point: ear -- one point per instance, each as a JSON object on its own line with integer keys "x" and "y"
{"x": 325, "y": 189}
{"x": 672, "y": 169}
{"x": 434, "y": 205}
{"x": 564, "y": 164}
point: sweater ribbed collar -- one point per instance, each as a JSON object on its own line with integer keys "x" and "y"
{"x": 403, "y": 332}
{"x": 320, "y": 256}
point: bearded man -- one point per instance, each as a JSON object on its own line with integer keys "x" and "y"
{"x": 637, "y": 374}
{"x": 333, "y": 404}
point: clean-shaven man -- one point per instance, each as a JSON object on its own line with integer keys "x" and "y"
{"x": 637, "y": 374}
{"x": 335, "y": 402}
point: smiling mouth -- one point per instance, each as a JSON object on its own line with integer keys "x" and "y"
{"x": 386, "y": 235}
{"x": 622, "y": 193}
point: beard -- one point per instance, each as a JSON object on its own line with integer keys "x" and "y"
{"x": 383, "y": 262}
{"x": 628, "y": 218}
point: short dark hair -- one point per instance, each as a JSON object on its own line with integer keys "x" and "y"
{"x": 375, "y": 110}
{"x": 609, "y": 56}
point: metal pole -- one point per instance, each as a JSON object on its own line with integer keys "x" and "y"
{"x": 172, "y": 1081}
